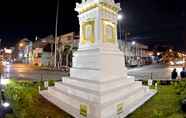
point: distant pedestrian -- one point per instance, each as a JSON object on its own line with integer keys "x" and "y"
{"x": 183, "y": 73}
{"x": 174, "y": 74}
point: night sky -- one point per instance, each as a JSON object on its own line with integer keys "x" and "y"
{"x": 152, "y": 22}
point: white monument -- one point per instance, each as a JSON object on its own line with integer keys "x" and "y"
{"x": 98, "y": 86}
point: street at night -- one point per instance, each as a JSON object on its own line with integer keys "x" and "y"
{"x": 31, "y": 72}
{"x": 93, "y": 59}
{"x": 155, "y": 72}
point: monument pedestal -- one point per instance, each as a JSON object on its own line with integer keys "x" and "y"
{"x": 98, "y": 83}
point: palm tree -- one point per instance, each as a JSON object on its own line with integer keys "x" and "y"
{"x": 66, "y": 52}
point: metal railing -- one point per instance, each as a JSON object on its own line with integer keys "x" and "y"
{"x": 34, "y": 75}
{"x": 151, "y": 75}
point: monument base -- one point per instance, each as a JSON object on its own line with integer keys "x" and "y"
{"x": 98, "y": 86}
{"x": 119, "y": 97}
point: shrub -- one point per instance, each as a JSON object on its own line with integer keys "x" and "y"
{"x": 27, "y": 103}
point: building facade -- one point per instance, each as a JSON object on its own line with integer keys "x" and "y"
{"x": 135, "y": 53}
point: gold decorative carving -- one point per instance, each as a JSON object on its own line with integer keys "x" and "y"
{"x": 109, "y": 32}
{"x": 102, "y": 5}
{"x": 88, "y": 32}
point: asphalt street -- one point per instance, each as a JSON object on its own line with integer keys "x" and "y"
{"x": 29, "y": 72}
{"x": 155, "y": 72}
{"x": 25, "y": 71}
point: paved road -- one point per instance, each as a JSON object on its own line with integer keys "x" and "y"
{"x": 23, "y": 71}
{"x": 155, "y": 72}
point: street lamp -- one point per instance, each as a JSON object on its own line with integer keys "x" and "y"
{"x": 133, "y": 42}
{"x": 170, "y": 50}
{"x": 0, "y": 42}
{"x": 55, "y": 39}
{"x": 120, "y": 17}
{"x": 158, "y": 53}
{"x": 5, "y": 104}
{"x": 21, "y": 45}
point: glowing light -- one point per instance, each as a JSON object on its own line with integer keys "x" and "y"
{"x": 20, "y": 55}
{"x": 179, "y": 62}
{"x": 120, "y": 17}
{"x": 8, "y": 51}
{"x": 5, "y": 81}
{"x": 150, "y": 54}
{"x": 171, "y": 63}
{"x": 133, "y": 42}
{"x": 170, "y": 50}
{"x": 5, "y": 104}
{"x": 21, "y": 45}
{"x": 158, "y": 53}
{"x": 8, "y": 68}
{"x": 5, "y": 63}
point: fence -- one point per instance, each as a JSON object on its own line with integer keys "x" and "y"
{"x": 53, "y": 75}
{"x": 151, "y": 75}
{"x": 34, "y": 75}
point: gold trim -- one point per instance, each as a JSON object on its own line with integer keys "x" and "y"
{"x": 82, "y": 38}
{"x": 107, "y": 24}
{"x": 102, "y": 5}
{"x": 90, "y": 24}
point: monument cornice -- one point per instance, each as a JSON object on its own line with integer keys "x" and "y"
{"x": 102, "y": 5}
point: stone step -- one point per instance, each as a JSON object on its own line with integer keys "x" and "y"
{"x": 130, "y": 103}
{"x": 84, "y": 90}
{"x": 119, "y": 96}
{"x": 84, "y": 98}
{"x": 132, "y": 107}
{"x": 61, "y": 103}
{"x": 91, "y": 74}
{"x": 98, "y": 86}
{"x": 74, "y": 101}
{"x": 94, "y": 75}
{"x": 129, "y": 78}
{"x": 107, "y": 97}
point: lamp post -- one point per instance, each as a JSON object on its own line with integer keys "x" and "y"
{"x": 120, "y": 17}
{"x": 0, "y": 42}
{"x": 56, "y": 29}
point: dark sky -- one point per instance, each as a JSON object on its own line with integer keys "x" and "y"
{"x": 149, "y": 21}
{"x": 157, "y": 21}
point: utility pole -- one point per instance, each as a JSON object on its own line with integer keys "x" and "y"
{"x": 126, "y": 46}
{"x": 0, "y": 43}
{"x": 56, "y": 29}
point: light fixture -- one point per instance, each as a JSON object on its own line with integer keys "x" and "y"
{"x": 6, "y": 104}
{"x": 133, "y": 42}
{"x": 120, "y": 17}
{"x": 4, "y": 81}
